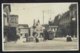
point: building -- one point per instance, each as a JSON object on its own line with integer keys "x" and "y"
{"x": 13, "y": 23}
{"x": 10, "y": 23}
{"x": 6, "y": 16}
{"x": 56, "y": 20}
{"x": 73, "y": 15}
{"x": 67, "y": 24}
{"x": 23, "y": 31}
{"x": 65, "y": 18}
{"x": 64, "y": 24}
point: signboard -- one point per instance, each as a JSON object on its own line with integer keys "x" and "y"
{"x": 23, "y": 30}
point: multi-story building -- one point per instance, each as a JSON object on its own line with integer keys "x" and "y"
{"x": 10, "y": 23}
{"x": 64, "y": 23}
{"x": 67, "y": 24}
{"x": 13, "y": 23}
{"x": 6, "y": 16}
{"x": 73, "y": 15}
{"x": 56, "y": 20}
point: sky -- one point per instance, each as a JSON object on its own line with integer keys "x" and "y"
{"x": 27, "y": 12}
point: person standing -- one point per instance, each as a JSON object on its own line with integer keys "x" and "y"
{"x": 45, "y": 34}
{"x": 36, "y": 38}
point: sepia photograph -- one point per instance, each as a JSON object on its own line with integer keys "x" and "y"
{"x": 40, "y": 26}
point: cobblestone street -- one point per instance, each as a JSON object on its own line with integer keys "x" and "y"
{"x": 58, "y": 44}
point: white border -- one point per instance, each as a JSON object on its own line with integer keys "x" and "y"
{"x": 44, "y": 49}
{"x": 78, "y": 25}
{"x": 2, "y": 30}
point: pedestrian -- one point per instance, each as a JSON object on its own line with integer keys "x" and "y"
{"x": 69, "y": 39}
{"x": 26, "y": 36}
{"x": 45, "y": 34}
{"x": 36, "y": 38}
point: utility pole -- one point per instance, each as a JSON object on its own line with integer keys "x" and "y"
{"x": 43, "y": 16}
{"x": 50, "y": 13}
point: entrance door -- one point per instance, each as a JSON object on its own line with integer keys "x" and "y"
{"x": 12, "y": 34}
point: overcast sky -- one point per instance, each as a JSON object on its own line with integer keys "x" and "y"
{"x": 29, "y": 11}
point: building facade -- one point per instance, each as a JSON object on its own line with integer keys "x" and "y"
{"x": 67, "y": 24}
{"x": 23, "y": 31}
{"x": 6, "y": 16}
{"x": 13, "y": 23}
{"x": 10, "y": 23}
{"x": 64, "y": 24}
{"x": 13, "y": 20}
{"x": 73, "y": 15}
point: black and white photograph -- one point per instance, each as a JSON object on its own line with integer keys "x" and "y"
{"x": 40, "y": 26}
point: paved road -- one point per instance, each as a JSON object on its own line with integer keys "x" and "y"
{"x": 56, "y": 44}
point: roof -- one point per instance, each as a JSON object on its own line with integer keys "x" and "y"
{"x": 72, "y": 6}
{"x": 45, "y": 25}
{"x": 7, "y": 5}
{"x": 26, "y": 25}
{"x": 65, "y": 15}
{"x": 14, "y": 15}
{"x": 53, "y": 26}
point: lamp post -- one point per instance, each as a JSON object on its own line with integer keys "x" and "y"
{"x": 43, "y": 16}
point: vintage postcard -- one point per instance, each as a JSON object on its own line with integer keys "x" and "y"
{"x": 40, "y": 26}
